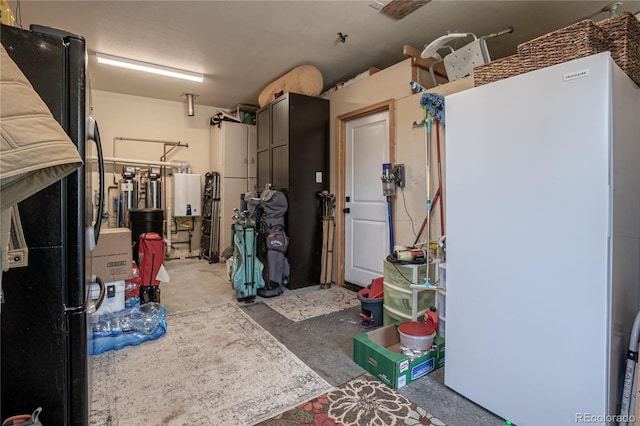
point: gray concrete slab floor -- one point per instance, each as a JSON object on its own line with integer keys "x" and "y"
{"x": 324, "y": 343}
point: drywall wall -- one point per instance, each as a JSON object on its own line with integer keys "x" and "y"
{"x": 393, "y": 83}
{"x": 145, "y": 118}
{"x": 134, "y": 117}
{"x": 390, "y": 83}
{"x": 410, "y": 203}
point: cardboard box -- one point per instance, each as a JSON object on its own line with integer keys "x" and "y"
{"x": 111, "y": 259}
{"x": 378, "y": 352}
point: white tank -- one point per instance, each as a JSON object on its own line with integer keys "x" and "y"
{"x": 128, "y": 199}
{"x": 187, "y": 195}
{"x": 153, "y": 191}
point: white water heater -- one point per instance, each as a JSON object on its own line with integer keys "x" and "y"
{"x": 187, "y": 195}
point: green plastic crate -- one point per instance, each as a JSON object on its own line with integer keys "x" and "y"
{"x": 406, "y": 300}
{"x": 400, "y": 274}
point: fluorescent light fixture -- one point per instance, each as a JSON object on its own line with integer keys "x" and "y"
{"x": 146, "y": 67}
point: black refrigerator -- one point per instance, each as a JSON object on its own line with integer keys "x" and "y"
{"x": 44, "y": 320}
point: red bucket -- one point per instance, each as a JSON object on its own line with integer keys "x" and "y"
{"x": 371, "y": 298}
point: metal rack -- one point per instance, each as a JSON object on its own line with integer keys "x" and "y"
{"x": 210, "y": 238}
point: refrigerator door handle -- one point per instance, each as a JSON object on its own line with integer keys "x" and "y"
{"x": 94, "y": 305}
{"x": 94, "y": 135}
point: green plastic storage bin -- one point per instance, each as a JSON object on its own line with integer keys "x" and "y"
{"x": 390, "y": 316}
{"x": 400, "y": 274}
{"x": 406, "y": 300}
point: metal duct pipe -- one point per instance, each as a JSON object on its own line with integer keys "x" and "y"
{"x": 190, "y": 105}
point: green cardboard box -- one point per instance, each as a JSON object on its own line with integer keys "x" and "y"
{"x": 378, "y": 352}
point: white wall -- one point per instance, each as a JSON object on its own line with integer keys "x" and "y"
{"x": 134, "y": 117}
{"x": 410, "y": 151}
{"x": 137, "y": 117}
{"x": 393, "y": 83}
{"x": 390, "y": 83}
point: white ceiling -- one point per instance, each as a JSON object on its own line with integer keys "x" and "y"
{"x": 241, "y": 46}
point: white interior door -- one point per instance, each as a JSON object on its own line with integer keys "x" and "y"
{"x": 230, "y": 191}
{"x": 366, "y": 231}
{"x": 235, "y": 150}
{"x": 252, "y": 147}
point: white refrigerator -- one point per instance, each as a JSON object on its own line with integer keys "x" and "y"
{"x": 543, "y": 241}
{"x": 233, "y": 155}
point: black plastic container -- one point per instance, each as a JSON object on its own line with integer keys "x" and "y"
{"x": 371, "y": 309}
{"x": 141, "y": 221}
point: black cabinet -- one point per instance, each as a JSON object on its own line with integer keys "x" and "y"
{"x": 293, "y": 157}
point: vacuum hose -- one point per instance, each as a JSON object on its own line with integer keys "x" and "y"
{"x": 389, "y": 209}
{"x": 630, "y": 375}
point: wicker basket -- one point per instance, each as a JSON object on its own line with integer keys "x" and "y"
{"x": 581, "y": 39}
{"x": 499, "y": 69}
{"x": 622, "y": 35}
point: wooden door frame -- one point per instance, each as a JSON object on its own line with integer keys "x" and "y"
{"x": 341, "y": 126}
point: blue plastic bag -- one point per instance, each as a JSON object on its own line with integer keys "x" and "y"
{"x": 128, "y": 327}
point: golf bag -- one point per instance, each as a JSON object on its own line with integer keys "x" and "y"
{"x": 246, "y": 268}
{"x": 273, "y": 243}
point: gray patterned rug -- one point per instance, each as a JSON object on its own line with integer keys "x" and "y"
{"x": 215, "y": 366}
{"x": 312, "y": 302}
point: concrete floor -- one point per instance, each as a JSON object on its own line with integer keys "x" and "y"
{"x": 324, "y": 343}
{"x": 195, "y": 283}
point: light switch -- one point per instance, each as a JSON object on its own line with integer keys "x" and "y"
{"x": 318, "y": 177}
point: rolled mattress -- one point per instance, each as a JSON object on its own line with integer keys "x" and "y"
{"x": 305, "y": 80}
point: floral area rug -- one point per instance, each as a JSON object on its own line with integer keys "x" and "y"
{"x": 361, "y": 401}
{"x": 313, "y": 302}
